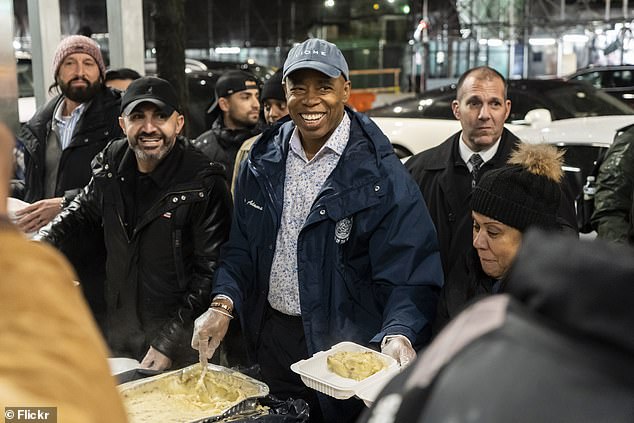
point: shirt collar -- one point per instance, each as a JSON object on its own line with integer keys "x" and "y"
{"x": 466, "y": 152}
{"x": 336, "y": 143}
{"x": 60, "y": 107}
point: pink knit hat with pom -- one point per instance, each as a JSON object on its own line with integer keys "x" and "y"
{"x": 78, "y": 44}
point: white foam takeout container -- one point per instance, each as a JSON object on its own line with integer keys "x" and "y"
{"x": 315, "y": 374}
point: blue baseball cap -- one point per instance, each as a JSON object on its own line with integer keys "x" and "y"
{"x": 319, "y": 55}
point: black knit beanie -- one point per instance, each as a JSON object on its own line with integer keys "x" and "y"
{"x": 525, "y": 192}
{"x": 273, "y": 88}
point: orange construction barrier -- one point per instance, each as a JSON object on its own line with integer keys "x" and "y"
{"x": 361, "y": 101}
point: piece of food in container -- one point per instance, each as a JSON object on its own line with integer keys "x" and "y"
{"x": 357, "y": 365}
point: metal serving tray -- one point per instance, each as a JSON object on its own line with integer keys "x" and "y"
{"x": 245, "y": 405}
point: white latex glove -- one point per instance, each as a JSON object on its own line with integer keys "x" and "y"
{"x": 400, "y": 348}
{"x": 209, "y": 330}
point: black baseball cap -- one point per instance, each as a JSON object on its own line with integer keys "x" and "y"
{"x": 232, "y": 82}
{"x": 150, "y": 89}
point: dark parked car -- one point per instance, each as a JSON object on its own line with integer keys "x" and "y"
{"x": 418, "y": 123}
{"x": 617, "y": 80}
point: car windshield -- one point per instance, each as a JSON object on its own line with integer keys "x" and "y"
{"x": 582, "y": 102}
{"x": 564, "y": 101}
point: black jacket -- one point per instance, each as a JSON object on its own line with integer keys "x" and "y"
{"x": 221, "y": 144}
{"x": 445, "y": 182}
{"x": 159, "y": 272}
{"x": 614, "y": 198}
{"x": 557, "y": 348}
{"x": 98, "y": 125}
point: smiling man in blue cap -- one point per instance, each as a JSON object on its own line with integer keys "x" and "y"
{"x": 331, "y": 240}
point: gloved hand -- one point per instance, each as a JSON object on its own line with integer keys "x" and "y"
{"x": 400, "y": 348}
{"x": 209, "y": 330}
{"x": 155, "y": 360}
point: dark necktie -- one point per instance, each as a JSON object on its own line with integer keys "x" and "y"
{"x": 476, "y": 161}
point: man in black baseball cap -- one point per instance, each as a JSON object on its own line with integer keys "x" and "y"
{"x": 150, "y": 89}
{"x": 154, "y": 100}
{"x": 235, "y": 115}
{"x": 165, "y": 210}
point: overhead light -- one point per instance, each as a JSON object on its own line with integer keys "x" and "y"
{"x": 227, "y": 50}
{"x": 329, "y": 3}
{"x": 542, "y": 41}
{"x": 494, "y": 42}
{"x": 575, "y": 38}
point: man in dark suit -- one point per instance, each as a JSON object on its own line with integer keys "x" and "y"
{"x": 447, "y": 173}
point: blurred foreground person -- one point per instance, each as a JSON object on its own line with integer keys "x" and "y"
{"x": 556, "y": 347}
{"x": 506, "y": 202}
{"x": 331, "y": 240}
{"x": 165, "y": 211}
{"x": 51, "y": 353}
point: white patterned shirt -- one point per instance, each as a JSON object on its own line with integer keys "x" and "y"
{"x": 65, "y": 125}
{"x": 302, "y": 184}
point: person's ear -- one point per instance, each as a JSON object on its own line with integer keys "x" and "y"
{"x": 224, "y": 105}
{"x": 122, "y": 124}
{"x": 347, "y": 89}
{"x": 180, "y": 122}
{"x": 455, "y": 108}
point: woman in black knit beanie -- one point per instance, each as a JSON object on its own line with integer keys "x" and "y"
{"x": 506, "y": 202}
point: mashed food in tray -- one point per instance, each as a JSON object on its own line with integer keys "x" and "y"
{"x": 356, "y": 365}
{"x": 178, "y": 399}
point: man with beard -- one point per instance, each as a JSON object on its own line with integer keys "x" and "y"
{"x": 165, "y": 210}
{"x": 55, "y": 149}
{"x": 235, "y": 116}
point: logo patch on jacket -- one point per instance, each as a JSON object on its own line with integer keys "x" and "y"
{"x": 167, "y": 215}
{"x": 343, "y": 229}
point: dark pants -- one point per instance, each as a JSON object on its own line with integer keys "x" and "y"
{"x": 282, "y": 343}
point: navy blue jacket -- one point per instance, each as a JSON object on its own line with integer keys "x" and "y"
{"x": 380, "y": 277}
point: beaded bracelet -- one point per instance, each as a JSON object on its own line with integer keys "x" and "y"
{"x": 223, "y": 306}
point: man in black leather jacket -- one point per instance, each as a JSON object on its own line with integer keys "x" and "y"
{"x": 165, "y": 211}
{"x": 235, "y": 116}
